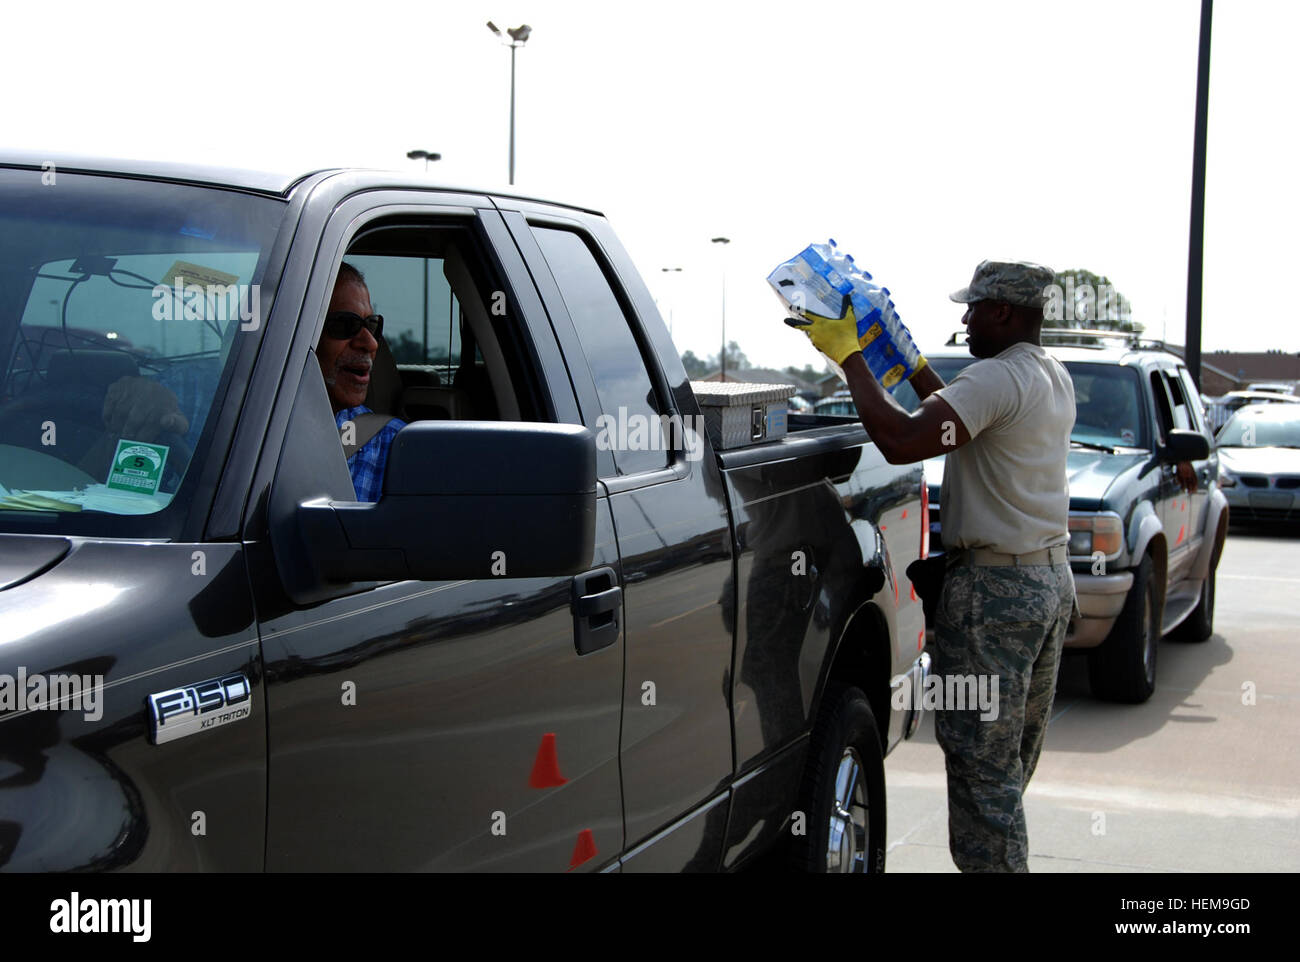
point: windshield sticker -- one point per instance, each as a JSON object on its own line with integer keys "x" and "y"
{"x": 1128, "y": 437}
{"x": 182, "y": 274}
{"x": 137, "y": 466}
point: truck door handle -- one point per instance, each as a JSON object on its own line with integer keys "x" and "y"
{"x": 597, "y": 601}
{"x": 600, "y": 602}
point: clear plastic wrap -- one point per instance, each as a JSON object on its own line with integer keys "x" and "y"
{"x": 821, "y": 279}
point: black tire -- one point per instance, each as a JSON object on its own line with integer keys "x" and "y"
{"x": 1199, "y": 625}
{"x": 1123, "y": 667}
{"x": 846, "y": 740}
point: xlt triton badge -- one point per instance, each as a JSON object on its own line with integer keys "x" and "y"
{"x": 200, "y": 707}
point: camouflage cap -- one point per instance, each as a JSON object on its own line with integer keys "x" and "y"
{"x": 1013, "y": 282}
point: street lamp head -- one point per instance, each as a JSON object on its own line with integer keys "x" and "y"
{"x": 520, "y": 34}
{"x": 425, "y": 155}
{"x": 722, "y": 240}
{"x": 493, "y": 27}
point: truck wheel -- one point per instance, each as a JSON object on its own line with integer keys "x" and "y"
{"x": 843, "y": 793}
{"x": 1123, "y": 667}
{"x": 1199, "y": 625}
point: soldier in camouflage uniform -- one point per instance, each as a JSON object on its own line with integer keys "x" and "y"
{"x": 1007, "y": 621}
{"x": 1004, "y": 424}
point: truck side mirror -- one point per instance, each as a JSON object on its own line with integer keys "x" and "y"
{"x": 1184, "y": 446}
{"x": 462, "y": 499}
{"x": 465, "y": 499}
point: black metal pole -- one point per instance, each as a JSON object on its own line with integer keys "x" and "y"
{"x": 1196, "y": 236}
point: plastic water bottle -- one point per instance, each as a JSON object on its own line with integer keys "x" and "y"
{"x": 844, "y": 263}
{"x": 818, "y": 279}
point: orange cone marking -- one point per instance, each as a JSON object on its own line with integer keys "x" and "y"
{"x": 584, "y": 850}
{"x": 546, "y": 769}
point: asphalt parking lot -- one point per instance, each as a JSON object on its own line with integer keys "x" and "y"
{"x": 1195, "y": 780}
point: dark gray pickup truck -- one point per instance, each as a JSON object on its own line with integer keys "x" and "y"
{"x": 551, "y": 644}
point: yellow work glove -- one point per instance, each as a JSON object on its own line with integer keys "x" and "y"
{"x": 836, "y": 337}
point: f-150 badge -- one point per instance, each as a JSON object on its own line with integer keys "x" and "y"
{"x": 199, "y": 708}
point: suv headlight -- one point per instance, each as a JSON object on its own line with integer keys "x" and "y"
{"x": 1091, "y": 533}
{"x": 1226, "y": 478}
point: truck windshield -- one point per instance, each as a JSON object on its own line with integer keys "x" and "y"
{"x": 120, "y": 303}
{"x": 1106, "y": 397}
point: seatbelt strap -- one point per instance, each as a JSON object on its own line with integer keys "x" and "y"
{"x": 365, "y": 427}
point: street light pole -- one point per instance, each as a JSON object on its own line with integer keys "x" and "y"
{"x": 518, "y": 37}
{"x": 512, "y": 113}
{"x": 722, "y": 358}
{"x": 670, "y": 270}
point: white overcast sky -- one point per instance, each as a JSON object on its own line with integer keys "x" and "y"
{"x": 922, "y": 136}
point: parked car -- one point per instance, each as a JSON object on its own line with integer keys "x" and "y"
{"x": 548, "y": 646}
{"x": 1259, "y": 470}
{"x": 1144, "y": 551}
{"x": 1224, "y": 407}
{"x": 1272, "y": 387}
{"x": 839, "y": 404}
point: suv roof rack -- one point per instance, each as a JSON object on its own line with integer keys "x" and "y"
{"x": 1085, "y": 337}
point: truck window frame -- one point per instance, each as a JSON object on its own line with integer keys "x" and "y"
{"x": 310, "y": 274}
{"x": 520, "y": 222}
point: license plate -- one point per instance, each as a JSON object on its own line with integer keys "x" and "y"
{"x": 1271, "y": 499}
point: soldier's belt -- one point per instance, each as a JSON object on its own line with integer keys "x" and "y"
{"x": 987, "y": 557}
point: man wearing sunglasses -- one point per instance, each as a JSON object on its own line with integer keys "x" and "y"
{"x": 346, "y": 353}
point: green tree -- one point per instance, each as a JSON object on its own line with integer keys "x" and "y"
{"x": 696, "y": 367}
{"x": 807, "y": 373}
{"x": 1081, "y": 298}
{"x": 736, "y": 359}
{"x": 406, "y": 349}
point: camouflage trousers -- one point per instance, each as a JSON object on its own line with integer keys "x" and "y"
{"x": 1007, "y": 624}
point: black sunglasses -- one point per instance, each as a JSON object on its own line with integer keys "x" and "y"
{"x": 344, "y": 325}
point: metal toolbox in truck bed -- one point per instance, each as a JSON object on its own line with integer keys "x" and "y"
{"x": 737, "y": 414}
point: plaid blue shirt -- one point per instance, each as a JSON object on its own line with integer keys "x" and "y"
{"x": 367, "y": 465}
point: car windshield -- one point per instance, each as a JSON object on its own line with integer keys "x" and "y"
{"x": 1277, "y": 425}
{"x": 120, "y": 302}
{"x": 1106, "y": 396}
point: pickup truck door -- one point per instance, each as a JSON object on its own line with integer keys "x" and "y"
{"x": 674, "y": 539}
{"x": 436, "y": 725}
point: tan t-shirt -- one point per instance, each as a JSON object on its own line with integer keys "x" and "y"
{"x": 1007, "y": 488}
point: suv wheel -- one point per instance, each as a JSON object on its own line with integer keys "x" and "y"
{"x": 1123, "y": 667}
{"x": 843, "y": 792}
